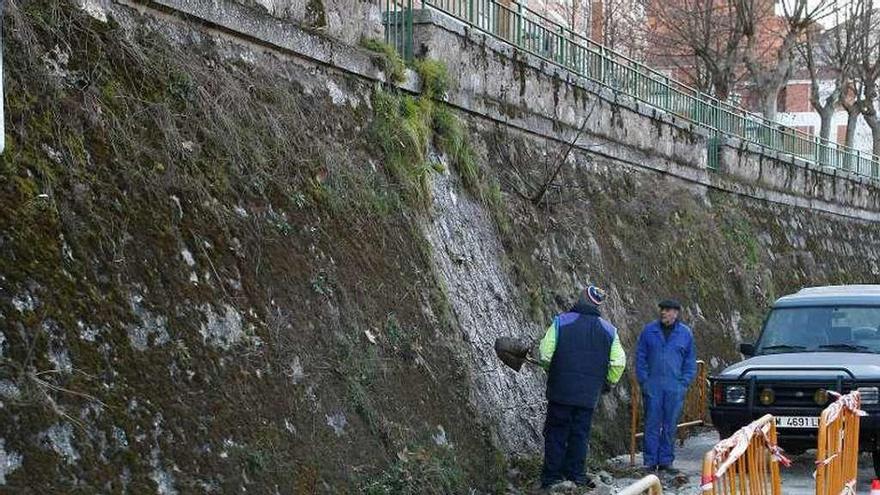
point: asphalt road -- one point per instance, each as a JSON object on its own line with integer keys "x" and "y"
{"x": 796, "y": 480}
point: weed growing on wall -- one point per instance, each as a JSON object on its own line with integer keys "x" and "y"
{"x": 404, "y": 127}
{"x": 392, "y": 62}
{"x": 434, "y": 77}
{"x": 421, "y": 470}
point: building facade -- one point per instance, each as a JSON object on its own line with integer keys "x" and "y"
{"x": 795, "y": 110}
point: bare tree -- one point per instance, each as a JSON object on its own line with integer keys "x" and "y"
{"x": 572, "y": 13}
{"x": 851, "y": 101}
{"x": 703, "y": 39}
{"x": 867, "y": 66}
{"x": 620, "y": 22}
{"x": 829, "y": 56}
{"x": 770, "y": 53}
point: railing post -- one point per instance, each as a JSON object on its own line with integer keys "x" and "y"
{"x": 560, "y": 56}
{"x": 408, "y": 29}
{"x": 519, "y": 24}
{"x": 471, "y": 11}
{"x": 666, "y": 93}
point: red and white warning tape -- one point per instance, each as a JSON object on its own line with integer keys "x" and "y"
{"x": 733, "y": 447}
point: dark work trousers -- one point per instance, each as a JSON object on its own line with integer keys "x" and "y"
{"x": 662, "y": 410}
{"x": 566, "y": 439}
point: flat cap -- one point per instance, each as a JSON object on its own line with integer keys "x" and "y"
{"x": 669, "y": 304}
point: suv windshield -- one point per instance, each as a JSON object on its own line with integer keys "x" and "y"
{"x": 829, "y": 328}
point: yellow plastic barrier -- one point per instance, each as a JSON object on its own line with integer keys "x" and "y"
{"x": 837, "y": 454}
{"x": 746, "y": 463}
{"x": 694, "y": 412}
{"x": 649, "y": 484}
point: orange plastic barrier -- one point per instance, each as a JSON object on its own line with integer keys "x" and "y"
{"x": 746, "y": 463}
{"x": 694, "y": 412}
{"x": 837, "y": 454}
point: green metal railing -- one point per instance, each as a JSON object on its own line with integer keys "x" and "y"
{"x": 398, "y": 19}
{"x": 516, "y": 24}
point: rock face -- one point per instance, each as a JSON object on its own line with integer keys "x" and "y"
{"x": 468, "y": 259}
{"x": 229, "y": 269}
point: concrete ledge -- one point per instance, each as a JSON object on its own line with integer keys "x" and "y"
{"x": 259, "y": 27}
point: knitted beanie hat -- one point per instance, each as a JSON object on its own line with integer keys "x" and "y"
{"x": 594, "y": 295}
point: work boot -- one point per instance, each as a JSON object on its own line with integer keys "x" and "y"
{"x": 563, "y": 487}
{"x": 584, "y": 482}
{"x": 581, "y": 480}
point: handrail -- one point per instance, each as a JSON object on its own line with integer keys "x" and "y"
{"x": 655, "y": 72}
{"x": 649, "y": 484}
{"x": 517, "y": 24}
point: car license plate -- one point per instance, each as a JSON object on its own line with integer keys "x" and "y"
{"x": 797, "y": 422}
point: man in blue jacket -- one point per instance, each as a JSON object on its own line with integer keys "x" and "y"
{"x": 582, "y": 353}
{"x": 666, "y": 363}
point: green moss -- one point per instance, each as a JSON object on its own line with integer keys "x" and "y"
{"x": 738, "y": 232}
{"x": 315, "y": 14}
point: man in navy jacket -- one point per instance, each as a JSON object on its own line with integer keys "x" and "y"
{"x": 666, "y": 363}
{"x": 582, "y": 353}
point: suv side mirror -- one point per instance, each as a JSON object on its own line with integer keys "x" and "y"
{"x": 747, "y": 349}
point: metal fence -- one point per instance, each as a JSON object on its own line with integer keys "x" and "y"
{"x": 746, "y": 463}
{"x": 397, "y": 15}
{"x": 524, "y": 28}
{"x": 837, "y": 452}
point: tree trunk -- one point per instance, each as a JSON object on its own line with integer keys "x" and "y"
{"x": 852, "y": 120}
{"x": 825, "y": 115}
{"x": 874, "y": 123}
{"x": 721, "y": 87}
{"x": 769, "y": 98}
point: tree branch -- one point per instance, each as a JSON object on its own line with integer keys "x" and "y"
{"x": 560, "y": 161}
